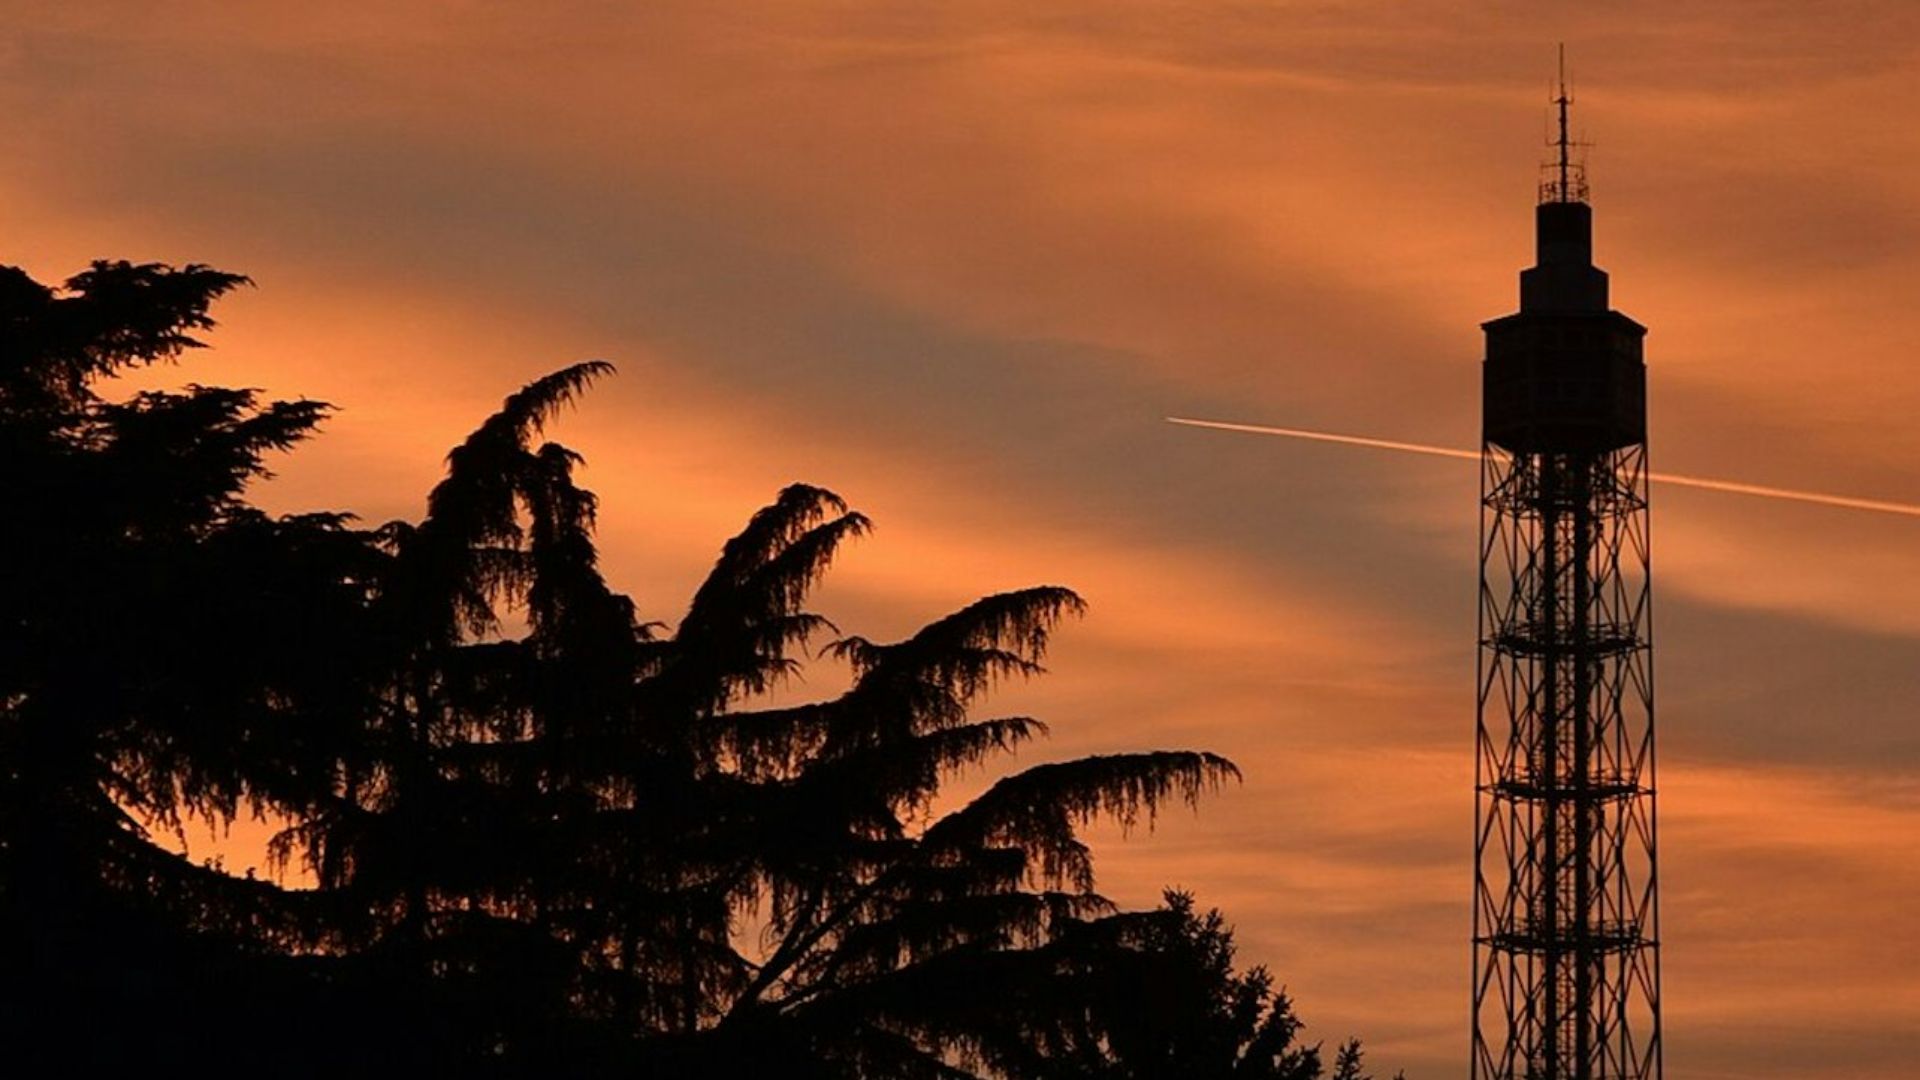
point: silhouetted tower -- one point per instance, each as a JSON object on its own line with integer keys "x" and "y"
{"x": 1566, "y": 963}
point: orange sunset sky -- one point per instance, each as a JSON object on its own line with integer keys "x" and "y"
{"x": 956, "y": 261}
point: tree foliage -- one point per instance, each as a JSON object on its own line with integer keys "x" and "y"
{"x": 562, "y": 841}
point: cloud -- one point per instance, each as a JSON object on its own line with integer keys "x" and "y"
{"x": 956, "y": 261}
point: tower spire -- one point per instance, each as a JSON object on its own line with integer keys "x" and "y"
{"x": 1566, "y": 181}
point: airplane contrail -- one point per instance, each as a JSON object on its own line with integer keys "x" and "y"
{"x": 1734, "y": 487}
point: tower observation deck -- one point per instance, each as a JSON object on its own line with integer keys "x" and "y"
{"x": 1566, "y": 964}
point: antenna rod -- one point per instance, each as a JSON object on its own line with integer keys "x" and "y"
{"x": 1563, "y": 100}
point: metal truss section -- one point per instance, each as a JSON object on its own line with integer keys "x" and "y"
{"x": 1566, "y": 922}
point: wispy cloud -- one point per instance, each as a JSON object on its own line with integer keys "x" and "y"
{"x": 956, "y": 261}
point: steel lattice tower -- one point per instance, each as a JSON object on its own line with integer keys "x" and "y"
{"x": 1566, "y": 962}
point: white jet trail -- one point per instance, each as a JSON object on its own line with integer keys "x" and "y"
{"x": 1846, "y": 502}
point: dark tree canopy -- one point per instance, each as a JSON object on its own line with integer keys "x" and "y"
{"x": 545, "y": 836}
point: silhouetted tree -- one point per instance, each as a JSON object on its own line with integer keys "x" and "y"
{"x": 1162, "y": 999}
{"x": 1136, "y": 995}
{"x": 157, "y": 658}
{"x": 570, "y": 825}
{"x": 547, "y": 837}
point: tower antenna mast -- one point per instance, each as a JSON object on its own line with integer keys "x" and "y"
{"x": 1563, "y": 100}
{"x": 1566, "y": 181}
